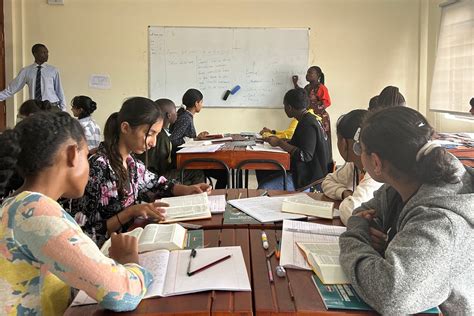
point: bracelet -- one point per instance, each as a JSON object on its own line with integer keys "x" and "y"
{"x": 118, "y": 219}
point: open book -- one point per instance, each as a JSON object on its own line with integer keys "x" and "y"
{"x": 169, "y": 271}
{"x": 324, "y": 259}
{"x": 187, "y": 207}
{"x": 303, "y": 204}
{"x": 155, "y": 236}
{"x": 296, "y": 231}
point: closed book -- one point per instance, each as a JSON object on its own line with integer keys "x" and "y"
{"x": 343, "y": 296}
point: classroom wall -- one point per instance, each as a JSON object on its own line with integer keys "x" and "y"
{"x": 361, "y": 46}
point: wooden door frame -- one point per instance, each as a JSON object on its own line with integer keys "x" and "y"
{"x": 3, "y": 108}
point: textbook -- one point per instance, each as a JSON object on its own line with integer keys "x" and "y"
{"x": 297, "y": 231}
{"x": 304, "y": 204}
{"x": 155, "y": 236}
{"x": 323, "y": 257}
{"x": 170, "y": 272}
{"x": 187, "y": 207}
{"x": 343, "y": 296}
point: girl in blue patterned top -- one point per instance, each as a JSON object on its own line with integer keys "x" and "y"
{"x": 118, "y": 182}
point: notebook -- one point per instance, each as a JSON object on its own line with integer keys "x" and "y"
{"x": 169, "y": 270}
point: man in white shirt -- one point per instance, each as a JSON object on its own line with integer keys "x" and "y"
{"x": 42, "y": 79}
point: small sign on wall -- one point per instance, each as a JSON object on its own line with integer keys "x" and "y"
{"x": 100, "y": 82}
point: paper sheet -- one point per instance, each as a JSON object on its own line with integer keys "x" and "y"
{"x": 265, "y": 147}
{"x": 264, "y": 209}
{"x": 201, "y": 149}
{"x": 217, "y": 204}
{"x": 295, "y": 231}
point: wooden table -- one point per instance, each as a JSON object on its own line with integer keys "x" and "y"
{"x": 204, "y": 303}
{"x": 233, "y": 155}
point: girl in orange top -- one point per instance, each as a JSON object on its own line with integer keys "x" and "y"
{"x": 318, "y": 94}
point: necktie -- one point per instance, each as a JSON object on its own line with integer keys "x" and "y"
{"x": 38, "y": 84}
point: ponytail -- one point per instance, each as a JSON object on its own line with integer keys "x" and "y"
{"x": 400, "y": 134}
{"x": 111, "y": 141}
{"x": 321, "y": 78}
{"x": 320, "y": 73}
{"x": 9, "y": 151}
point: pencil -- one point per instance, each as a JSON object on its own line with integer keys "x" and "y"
{"x": 270, "y": 274}
{"x": 291, "y": 291}
{"x": 207, "y": 266}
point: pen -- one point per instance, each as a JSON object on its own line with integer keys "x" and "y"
{"x": 270, "y": 254}
{"x": 270, "y": 274}
{"x": 277, "y": 250}
{"x": 207, "y": 266}
{"x": 265, "y": 193}
{"x": 264, "y": 240}
{"x": 191, "y": 255}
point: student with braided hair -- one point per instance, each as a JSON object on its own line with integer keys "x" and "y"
{"x": 410, "y": 248}
{"x": 44, "y": 251}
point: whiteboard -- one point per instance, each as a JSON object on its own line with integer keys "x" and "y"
{"x": 260, "y": 60}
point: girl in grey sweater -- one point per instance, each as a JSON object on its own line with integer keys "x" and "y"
{"x": 411, "y": 247}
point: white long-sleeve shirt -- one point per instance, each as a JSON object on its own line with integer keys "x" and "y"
{"x": 51, "y": 88}
{"x": 343, "y": 179}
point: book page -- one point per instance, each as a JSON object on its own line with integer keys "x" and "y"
{"x": 217, "y": 203}
{"x": 264, "y": 209}
{"x": 323, "y": 254}
{"x": 227, "y": 275}
{"x": 135, "y": 233}
{"x": 156, "y": 262}
{"x": 155, "y": 233}
{"x": 295, "y": 231}
{"x": 187, "y": 207}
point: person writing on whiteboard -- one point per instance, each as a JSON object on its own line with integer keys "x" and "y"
{"x": 410, "y": 247}
{"x": 318, "y": 95}
{"x": 310, "y": 156}
{"x": 350, "y": 183}
{"x": 42, "y": 79}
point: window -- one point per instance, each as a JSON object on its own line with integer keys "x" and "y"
{"x": 453, "y": 77}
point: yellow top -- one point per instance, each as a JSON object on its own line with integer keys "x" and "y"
{"x": 288, "y": 133}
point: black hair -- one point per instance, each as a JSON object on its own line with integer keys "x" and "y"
{"x": 33, "y": 106}
{"x": 296, "y": 98}
{"x": 135, "y": 111}
{"x": 319, "y": 72}
{"x": 32, "y": 145}
{"x": 472, "y": 102}
{"x": 348, "y": 124}
{"x": 388, "y": 97}
{"x": 35, "y": 47}
{"x": 85, "y": 103}
{"x": 190, "y": 98}
{"x": 396, "y": 134}
{"x": 164, "y": 104}
{"x": 373, "y": 102}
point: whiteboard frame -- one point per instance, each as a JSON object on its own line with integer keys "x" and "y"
{"x": 308, "y": 29}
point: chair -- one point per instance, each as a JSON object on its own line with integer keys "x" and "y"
{"x": 211, "y": 160}
{"x": 262, "y": 161}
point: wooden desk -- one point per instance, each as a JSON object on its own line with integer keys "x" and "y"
{"x": 204, "y": 303}
{"x": 275, "y": 298}
{"x": 232, "y": 156}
